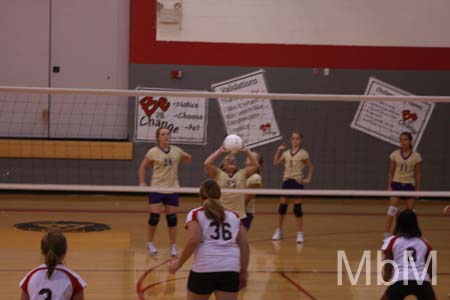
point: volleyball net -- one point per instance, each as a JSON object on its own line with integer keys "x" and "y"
{"x": 93, "y": 140}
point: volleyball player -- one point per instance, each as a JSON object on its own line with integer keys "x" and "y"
{"x": 229, "y": 176}
{"x": 53, "y": 280}
{"x": 295, "y": 159}
{"x": 408, "y": 250}
{"x": 253, "y": 182}
{"x": 404, "y": 175}
{"x": 220, "y": 247}
{"x": 164, "y": 158}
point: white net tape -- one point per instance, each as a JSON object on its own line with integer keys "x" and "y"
{"x": 195, "y": 190}
{"x": 271, "y": 96}
{"x": 32, "y": 91}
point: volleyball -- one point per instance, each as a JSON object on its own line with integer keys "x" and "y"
{"x": 233, "y": 143}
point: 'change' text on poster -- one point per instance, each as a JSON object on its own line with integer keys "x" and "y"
{"x": 185, "y": 117}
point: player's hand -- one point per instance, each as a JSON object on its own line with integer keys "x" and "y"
{"x": 174, "y": 266}
{"x": 187, "y": 158}
{"x": 142, "y": 184}
{"x": 306, "y": 181}
{"x": 222, "y": 150}
{"x": 243, "y": 276}
{"x": 282, "y": 147}
{"x": 244, "y": 149}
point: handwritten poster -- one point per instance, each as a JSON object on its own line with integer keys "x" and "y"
{"x": 386, "y": 120}
{"x": 185, "y": 117}
{"x": 252, "y": 119}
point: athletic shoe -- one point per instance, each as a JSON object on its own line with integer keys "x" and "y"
{"x": 173, "y": 250}
{"x": 151, "y": 248}
{"x": 299, "y": 237}
{"x": 278, "y": 235}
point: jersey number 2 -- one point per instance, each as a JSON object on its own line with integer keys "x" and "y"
{"x": 48, "y": 292}
{"x": 221, "y": 230}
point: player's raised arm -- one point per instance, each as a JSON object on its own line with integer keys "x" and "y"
{"x": 278, "y": 157}
{"x": 210, "y": 167}
{"x": 253, "y": 167}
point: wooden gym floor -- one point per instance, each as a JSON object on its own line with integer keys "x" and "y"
{"x": 116, "y": 266}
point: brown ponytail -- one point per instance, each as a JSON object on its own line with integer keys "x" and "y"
{"x": 53, "y": 247}
{"x": 210, "y": 193}
{"x": 214, "y": 210}
{"x": 51, "y": 260}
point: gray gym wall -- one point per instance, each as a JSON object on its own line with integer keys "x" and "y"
{"x": 343, "y": 158}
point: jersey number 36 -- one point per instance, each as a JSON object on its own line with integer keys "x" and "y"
{"x": 221, "y": 231}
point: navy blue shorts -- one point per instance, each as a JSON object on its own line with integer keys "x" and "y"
{"x": 398, "y": 186}
{"x": 166, "y": 199}
{"x": 292, "y": 184}
{"x": 247, "y": 222}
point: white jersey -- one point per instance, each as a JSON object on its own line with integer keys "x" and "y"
{"x": 403, "y": 250}
{"x": 218, "y": 250}
{"x": 62, "y": 285}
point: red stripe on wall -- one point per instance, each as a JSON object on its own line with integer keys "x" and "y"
{"x": 144, "y": 49}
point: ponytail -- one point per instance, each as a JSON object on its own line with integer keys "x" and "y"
{"x": 210, "y": 193}
{"x": 53, "y": 247}
{"x": 214, "y": 210}
{"x": 51, "y": 260}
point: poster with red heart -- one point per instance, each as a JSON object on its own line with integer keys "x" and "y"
{"x": 386, "y": 120}
{"x": 252, "y": 119}
{"x": 185, "y": 117}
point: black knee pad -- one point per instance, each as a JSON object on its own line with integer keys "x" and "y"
{"x": 298, "y": 210}
{"x": 282, "y": 209}
{"x": 172, "y": 220}
{"x": 153, "y": 219}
